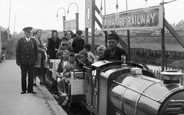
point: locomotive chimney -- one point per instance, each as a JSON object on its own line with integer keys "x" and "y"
{"x": 171, "y": 77}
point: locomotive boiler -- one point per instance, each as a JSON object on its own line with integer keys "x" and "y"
{"x": 117, "y": 88}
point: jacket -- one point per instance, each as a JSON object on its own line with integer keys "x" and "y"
{"x": 116, "y": 55}
{"x": 26, "y": 52}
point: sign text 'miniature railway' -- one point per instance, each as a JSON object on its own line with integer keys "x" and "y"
{"x": 134, "y": 19}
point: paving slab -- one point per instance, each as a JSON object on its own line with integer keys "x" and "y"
{"x": 14, "y": 103}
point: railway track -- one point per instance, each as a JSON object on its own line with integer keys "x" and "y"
{"x": 75, "y": 109}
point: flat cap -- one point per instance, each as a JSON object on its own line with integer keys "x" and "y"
{"x": 27, "y": 29}
{"x": 113, "y": 36}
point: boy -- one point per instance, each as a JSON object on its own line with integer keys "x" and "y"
{"x": 87, "y": 48}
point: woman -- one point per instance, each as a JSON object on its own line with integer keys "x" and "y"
{"x": 69, "y": 35}
{"x": 40, "y": 66}
{"x": 53, "y": 45}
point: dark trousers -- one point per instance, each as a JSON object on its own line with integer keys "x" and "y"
{"x": 27, "y": 69}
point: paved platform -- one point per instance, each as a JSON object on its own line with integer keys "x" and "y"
{"x": 14, "y": 103}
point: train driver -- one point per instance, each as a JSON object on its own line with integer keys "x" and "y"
{"x": 114, "y": 52}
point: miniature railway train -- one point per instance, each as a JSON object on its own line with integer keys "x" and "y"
{"x": 126, "y": 88}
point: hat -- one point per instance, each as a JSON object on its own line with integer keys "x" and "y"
{"x": 27, "y": 29}
{"x": 113, "y": 36}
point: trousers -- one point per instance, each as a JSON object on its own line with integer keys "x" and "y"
{"x": 27, "y": 69}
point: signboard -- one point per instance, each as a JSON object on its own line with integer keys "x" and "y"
{"x": 88, "y": 13}
{"x": 69, "y": 24}
{"x": 151, "y": 18}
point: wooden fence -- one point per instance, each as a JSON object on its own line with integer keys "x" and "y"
{"x": 157, "y": 53}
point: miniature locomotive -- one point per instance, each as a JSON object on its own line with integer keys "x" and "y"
{"x": 119, "y": 88}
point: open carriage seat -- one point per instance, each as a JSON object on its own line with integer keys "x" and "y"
{"x": 51, "y": 71}
{"x": 77, "y": 83}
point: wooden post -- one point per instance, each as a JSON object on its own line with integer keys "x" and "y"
{"x": 93, "y": 28}
{"x": 106, "y": 34}
{"x": 163, "y": 42}
{"x": 128, "y": 41}
{"x": 86, "y": 35}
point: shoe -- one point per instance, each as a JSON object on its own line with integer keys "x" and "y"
{"x": 65, "y": 102}
{"x": 41, "y": 83}
{"x": 23, "y": 92}
{"x": 63, "y": 95}
{"x": 34, "y": 84}
{"x": 32, "y": 92}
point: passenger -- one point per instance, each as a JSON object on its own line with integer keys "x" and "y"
{"x": 41, "y": 62}
{"x": 70, "y": 66}
{"x": 63, "y": 56}
{"x": 82, "y": 60}
{"x": 69, "y": 35}
{"x": 65, "y": 44}
{"x": 78, "y": 43}
{"x": 114, "y": 52}
{"x": 100, "y": 52}
{"x": 53, "y": 45}
{"x": 87, "y": 48}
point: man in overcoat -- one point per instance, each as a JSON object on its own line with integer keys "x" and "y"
{"x": 26, "y": 56}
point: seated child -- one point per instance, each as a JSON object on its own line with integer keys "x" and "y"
{"x": 63, "y": 56}
{"x": 100, "y": 52}
{"x": 69, "y": 67}
{"x": 82, "y": 60}
{"x": 87, "y": 48}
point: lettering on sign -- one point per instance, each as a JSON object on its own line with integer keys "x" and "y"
{"x": 134, "y": 19}
{"x": 70, "y": 24}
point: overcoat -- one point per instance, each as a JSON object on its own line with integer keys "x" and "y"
{"x": 26, "y": 52}
{"x": 41, "y": 54}
{"x": 53, "y": 47}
